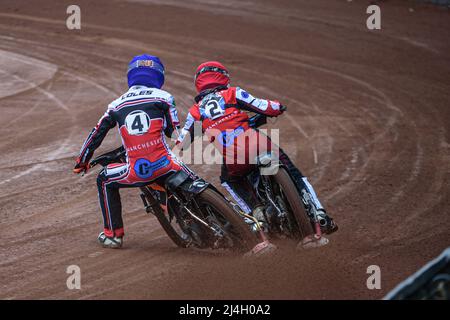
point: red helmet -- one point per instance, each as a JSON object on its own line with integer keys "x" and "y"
{"x": 211, "y": 74}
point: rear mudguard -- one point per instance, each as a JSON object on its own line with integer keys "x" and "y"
{"x": 188, "y": 185}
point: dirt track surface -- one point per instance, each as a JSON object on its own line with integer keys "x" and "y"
{"x": 368, "y": 122}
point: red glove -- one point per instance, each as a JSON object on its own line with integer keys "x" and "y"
{"x": 81, "y": 167}
{"x": 279, "y": 111}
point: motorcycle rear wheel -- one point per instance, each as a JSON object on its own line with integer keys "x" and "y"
{"x": 236, "y": 228}
{"x": 171, "y": 227}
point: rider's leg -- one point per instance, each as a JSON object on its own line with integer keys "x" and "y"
{"x": 305, "y": 189}
{"x": 300, "y": 181}
{"x": 239, "y": 162}
{"x": 234, "y": 180}
{"x": 239, "y": 188}
{"x": 109, "y": 197}
{"x": 109, "y": 181}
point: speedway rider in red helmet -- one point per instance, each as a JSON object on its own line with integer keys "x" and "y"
{"x": 144, "y": 114}
{"x": 221, "y": 110}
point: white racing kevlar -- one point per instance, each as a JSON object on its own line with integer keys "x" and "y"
{"x": 238, "y": 199}
{"x": 313, "y": 194}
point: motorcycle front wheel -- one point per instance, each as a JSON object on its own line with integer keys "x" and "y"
{"x": 289, "y": 193}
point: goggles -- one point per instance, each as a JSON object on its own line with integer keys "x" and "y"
{"x": 146, "y": 64}
{"x": 211, "y": 69}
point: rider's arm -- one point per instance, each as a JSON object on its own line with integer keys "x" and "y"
{"x": 188, "y": 129}
{"x": 248, "y": 102}
{"x": 95, "y": 138}
{"x": 172, "y": 124}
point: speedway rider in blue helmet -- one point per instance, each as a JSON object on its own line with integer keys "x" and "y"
{"x": 143, "y": 114}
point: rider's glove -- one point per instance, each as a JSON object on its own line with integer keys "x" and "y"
{"x": 81, "y": 167}
{"x": 278, "y": 108}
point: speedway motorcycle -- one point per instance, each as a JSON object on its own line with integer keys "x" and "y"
{"x": 190, "y": 210}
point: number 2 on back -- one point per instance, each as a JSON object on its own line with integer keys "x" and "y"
{"x": 213, "y": 109}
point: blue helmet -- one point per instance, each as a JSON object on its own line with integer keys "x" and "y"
{"x": 146, "y": 70}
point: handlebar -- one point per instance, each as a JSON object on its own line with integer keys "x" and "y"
{"x": 116, "y": 155}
